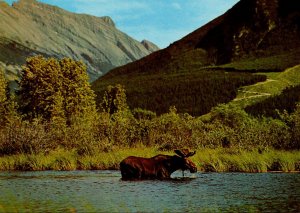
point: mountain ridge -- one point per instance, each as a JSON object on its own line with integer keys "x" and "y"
{"x": 51, "y": 31}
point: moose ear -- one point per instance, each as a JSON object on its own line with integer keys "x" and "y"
{"x": 178, "y": 152}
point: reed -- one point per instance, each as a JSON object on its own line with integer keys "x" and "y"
{"x": 225, "y": 160}
{"x": 207, "y": 160}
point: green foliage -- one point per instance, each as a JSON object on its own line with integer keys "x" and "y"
{"x": 141, "y": 114}
{"x": 297, "y": 124}
{"x": 295, "y": 128}
{"x": 246, "y": 132}
{"x": 230, "y": 115}
{"x": 271, "y": 63}
{"x": 171, "y": 130}
{"x": 23, "y": 137}
{"x": 3, "y": 98}
{"x": 114, "y": 99}
{"x": 40, "y": 88}
{"x": 8, "y": 106}
{"x": 3, "y": 86}
{"x": 77, "y": 94}
{"x": 168, "y": 131}
{"x": 61, "y": 114}
{"x": 271, "y": 106}
{"x": 194, "y": 92}
{"x": 57, "y": 91}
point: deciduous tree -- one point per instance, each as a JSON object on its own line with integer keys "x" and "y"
{"x": 56, "y": 90}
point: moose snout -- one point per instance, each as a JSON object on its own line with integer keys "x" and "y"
{"x": 193, "y": 169}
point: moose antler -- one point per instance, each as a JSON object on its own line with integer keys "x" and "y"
{"x": 191, "y": 154}
{"x": 185, "y": 153}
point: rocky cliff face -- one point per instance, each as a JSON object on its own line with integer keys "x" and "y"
{"x": 29, "y": 27}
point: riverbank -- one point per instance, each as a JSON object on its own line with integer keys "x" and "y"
{"x": 207, "y": 160}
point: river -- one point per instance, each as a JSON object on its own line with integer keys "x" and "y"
{"x": 104, "y": 191}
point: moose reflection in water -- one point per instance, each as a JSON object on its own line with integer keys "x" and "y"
{"x": 157, "y": 167}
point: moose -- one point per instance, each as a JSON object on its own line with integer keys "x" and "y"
{"x": 157, "y": 167}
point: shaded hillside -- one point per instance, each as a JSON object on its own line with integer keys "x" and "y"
{"x": 29, "y": 27}
{"x": 275, "y": 84}
{"x": 252, "y": 36}
{"x": 286, "y": 101}
{"x": 195, "y": 93}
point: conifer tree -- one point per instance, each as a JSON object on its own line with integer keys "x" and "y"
{"x": 114, "y": 99}
{"x": 8, "y": 106}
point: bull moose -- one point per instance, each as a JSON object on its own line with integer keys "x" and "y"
{"x": 157, "y": 167}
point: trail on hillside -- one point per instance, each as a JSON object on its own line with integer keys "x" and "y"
{"x": 256, "y": 94}
{"x": 252, "y": 96}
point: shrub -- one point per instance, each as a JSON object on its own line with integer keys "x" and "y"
{"x": 295, "y": 127}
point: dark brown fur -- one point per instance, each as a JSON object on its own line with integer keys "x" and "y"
{"x": 157, "y": 167}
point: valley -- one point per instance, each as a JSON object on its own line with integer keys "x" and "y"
{"x": 235, "y": 79}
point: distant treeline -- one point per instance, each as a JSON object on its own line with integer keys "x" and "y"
{"x": 286, "y": 101}
{"x": 194, "y": 93}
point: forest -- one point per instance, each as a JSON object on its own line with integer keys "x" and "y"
{"x": 194, "y": 93}
{"x": 54, "y": 111}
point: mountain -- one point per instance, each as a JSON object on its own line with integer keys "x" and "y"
{"x": 150, "y": 46}
{"x": 253, "y": 36}
{"x": 29, "y": 27}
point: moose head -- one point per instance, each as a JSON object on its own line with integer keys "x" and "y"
{"x": 185, "y": 163}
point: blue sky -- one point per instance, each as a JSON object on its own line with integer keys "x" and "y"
{"x": 159, "y": 21}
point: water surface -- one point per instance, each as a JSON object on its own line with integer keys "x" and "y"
{"x": 103, "y": 191}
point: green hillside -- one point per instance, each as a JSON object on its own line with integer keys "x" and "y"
{"x": 274, "y": 85}
{"x": 213, "y": 64}
{"x": 195, "y": 93}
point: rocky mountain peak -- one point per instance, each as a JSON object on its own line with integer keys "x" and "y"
{"x": 29, "y": 27}
{"x": 108, "y": 20}
{"x": 149, "y": 45}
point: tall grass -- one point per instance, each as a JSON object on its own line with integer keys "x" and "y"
{"x": 228, "y": 160}
{"x": 207, "y": 160}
